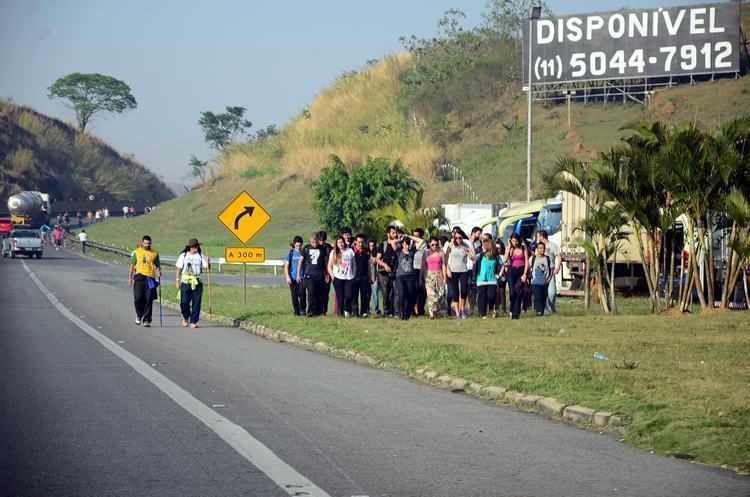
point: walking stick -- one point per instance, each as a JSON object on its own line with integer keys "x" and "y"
{"x": 210, "y": 311}
{"x": 161, "y": 321}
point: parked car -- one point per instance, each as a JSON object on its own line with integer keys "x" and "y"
{"x": 23, "y": 242}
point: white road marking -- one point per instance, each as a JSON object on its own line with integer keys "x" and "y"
{"x": 237, "y": 437}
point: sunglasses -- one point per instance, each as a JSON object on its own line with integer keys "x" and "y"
{"x": 433, "y": 245}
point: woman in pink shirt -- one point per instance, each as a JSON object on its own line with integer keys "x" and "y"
{"x": 433, "y": 266}
{"x": 516, "y": 259}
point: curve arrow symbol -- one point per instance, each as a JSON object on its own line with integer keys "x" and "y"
{"x": 248, "y": 211}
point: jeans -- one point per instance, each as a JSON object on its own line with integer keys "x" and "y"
{"x": 550, "y": 307}
{"x": 361, "y": 293}
{"x": 516, "y": 298}
{"x": 375, "y": 299}
{"x": 386, "y": 284}
{"x": 540, "y": 298}
{"x": 407, "y": 294}
{"x": 486, "y": 298}
{"x": 299, "y": 299}
{"x": 83, "y": 247}
{"x": 190, "y": 302}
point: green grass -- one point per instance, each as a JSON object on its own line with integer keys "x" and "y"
{"x": 687, "y": 389}
{"x": 680, "y": 382}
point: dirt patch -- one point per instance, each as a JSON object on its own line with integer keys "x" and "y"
{"x": 594, "y": 155}
{"x": 578, "y": 148}
{"x": 572, "y": 135}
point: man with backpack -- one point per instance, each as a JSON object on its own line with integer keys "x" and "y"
{"x": 541, "y": 268}
{"x": 291, "y": 263}
{"x": 555, "y": 255}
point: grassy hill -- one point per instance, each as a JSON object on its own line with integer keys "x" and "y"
{"x": 38, "y": 152}
{"x": 464, "y": 119}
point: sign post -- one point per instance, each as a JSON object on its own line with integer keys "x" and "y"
{"x": 244, "y": 217}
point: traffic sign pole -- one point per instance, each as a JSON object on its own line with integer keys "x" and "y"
{"x": 244, "y": 217}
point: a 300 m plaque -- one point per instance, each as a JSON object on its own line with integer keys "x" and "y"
{"x": 675, "y": 41}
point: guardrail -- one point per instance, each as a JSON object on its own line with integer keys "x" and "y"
{"x": 171, "y": 260}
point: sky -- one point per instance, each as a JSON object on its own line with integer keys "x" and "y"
{"x": 184, "y": 57}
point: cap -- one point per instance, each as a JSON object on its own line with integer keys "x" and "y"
{"x": 193, "y": 243}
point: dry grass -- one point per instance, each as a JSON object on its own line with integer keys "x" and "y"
{"x": 357, "y": 117}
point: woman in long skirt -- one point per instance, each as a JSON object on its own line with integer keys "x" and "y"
{"x": 433, "y": 266}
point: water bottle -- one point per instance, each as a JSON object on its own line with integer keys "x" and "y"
{"x": 600, "y": 357}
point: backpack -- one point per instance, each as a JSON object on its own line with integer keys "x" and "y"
{"x": 533, "y": 259}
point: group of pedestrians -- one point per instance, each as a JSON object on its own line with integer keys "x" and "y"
{"x": 407, "y": 275}
{"x": 144, "y": 276}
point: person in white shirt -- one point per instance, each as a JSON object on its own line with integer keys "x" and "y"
{"x": 341, "y": 270}
{"x": 83, "y": 238}
{"x": 554, "y": 253}
{"x": 190, "y": 265}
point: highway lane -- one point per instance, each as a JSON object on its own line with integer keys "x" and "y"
{"x": 77, "y": 418}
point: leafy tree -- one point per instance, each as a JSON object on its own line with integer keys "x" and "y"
{"x": 266, "y": 133}
{"x": 220, "y": 130}
{"x": 342, "y": 198}
{"x": 88, "y": 94}
{"x": 198, "y": 168}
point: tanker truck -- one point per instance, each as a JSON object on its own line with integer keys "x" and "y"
{"x": 29, "y": 208}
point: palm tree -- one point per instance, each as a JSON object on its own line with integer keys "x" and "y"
{"x": 411, "y": 214}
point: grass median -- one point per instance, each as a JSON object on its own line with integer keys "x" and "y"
{"x": 680, "y": 382}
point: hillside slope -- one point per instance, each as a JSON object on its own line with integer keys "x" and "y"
{"x": 38, "y": 152}
{"x": 365, "y": 113}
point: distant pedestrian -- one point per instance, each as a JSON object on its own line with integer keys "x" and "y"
{"x": 433, "y": 266}
{"x": 458, "y": 254}
{"x": 488, "y": 270}
{"x": 83, "y": 238}
{"x": 421, "y": 250}
{"x": 362, "y": 286}
{"x": 105, "y": 213}
{"x": 97, "y": 216}
{"x": 80, "y": 218}
{"x": 190, "y": 265}
{"x": 341, "y": 272}
{"x": 372, "y": 247}
{"x": 144, "y": 267}
{"x": 313, "y": 266}
{"x": 132, "y": 211}
{"x": 501, "y": 302}
{"x": 125, "y": 211}
{"x": 406, "y": 277}
{"x": 297, "y": 290}
{"x": 58, "y": 235}
{"x": 541, "y": 268}
{"x": 555, "y": 255}
{"x": 387, "y": 259}
{"x": 328, "y": 249}
{"x": 516, "y": 263}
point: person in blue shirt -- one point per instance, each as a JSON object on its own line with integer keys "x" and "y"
{"x": 291, "y": 261}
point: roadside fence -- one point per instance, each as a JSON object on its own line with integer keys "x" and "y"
{"x": 172, "y": 260}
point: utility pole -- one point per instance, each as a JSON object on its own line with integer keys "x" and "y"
{"x": 534, "y": 13}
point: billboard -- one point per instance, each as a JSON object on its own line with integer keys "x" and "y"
{"x": 675, "y": 41}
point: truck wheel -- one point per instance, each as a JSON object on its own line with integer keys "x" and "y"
{"x": 38, "y": 255}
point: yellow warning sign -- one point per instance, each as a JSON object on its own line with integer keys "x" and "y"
{"x": 244, "y": 217}
{"x": 245, "y": 254}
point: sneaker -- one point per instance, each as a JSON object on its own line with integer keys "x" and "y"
{"x": 138, "y": 321}
{"x": 365, "y": 315}
{"x": 484, "y": 317}
{"x": 346, "y": 314}
{"x": 494, "y": 314}
{"x": 464, "y": 315}
{"x": 391, "y": 316}
{"x": 147, "y": 324}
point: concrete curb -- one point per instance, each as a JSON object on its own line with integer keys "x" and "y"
{"x": 544, "y": 405}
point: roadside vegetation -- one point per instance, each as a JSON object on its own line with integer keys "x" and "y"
{"x": 45, "y": 154}
{"x": 681, "y": 383}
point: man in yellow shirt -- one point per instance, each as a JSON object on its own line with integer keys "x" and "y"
{"x": 144, "y": 266}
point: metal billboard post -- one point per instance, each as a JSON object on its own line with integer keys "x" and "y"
{"x": 534, "y": 13}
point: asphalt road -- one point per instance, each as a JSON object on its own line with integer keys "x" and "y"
{"x": 93, "y": 405}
